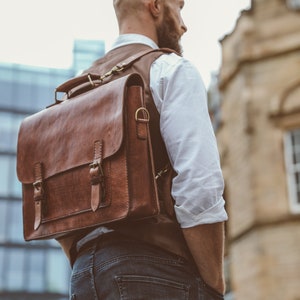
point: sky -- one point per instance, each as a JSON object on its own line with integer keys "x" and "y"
{"x": 41, "y": 33}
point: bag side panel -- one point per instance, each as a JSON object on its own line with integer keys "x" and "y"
{"x": 143, "y": 194}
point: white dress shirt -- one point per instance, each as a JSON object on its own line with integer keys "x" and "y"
{"x": 181, "y": 99}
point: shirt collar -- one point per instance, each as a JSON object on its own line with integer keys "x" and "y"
{"x": 132, "y": 38}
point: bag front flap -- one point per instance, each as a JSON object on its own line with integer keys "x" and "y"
{"x": 63, "y": 136}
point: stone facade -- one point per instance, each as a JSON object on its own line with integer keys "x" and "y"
{"x": 259, "y": 82}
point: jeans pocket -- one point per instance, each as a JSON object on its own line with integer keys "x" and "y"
{"x": 212, "y": 293}
{"x": 155, "y": 288}
{"x": 208, "y": 293}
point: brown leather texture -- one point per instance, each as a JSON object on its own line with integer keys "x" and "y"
{"x": 142, "y": 66}
{"x": 163, "y": 230}
{"x": 87, "y": 161}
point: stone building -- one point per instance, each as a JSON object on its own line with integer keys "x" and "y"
{"x": 259, "y": 142}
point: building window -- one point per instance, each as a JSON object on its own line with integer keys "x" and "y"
{"x": 293, "y": 4}
{"x": 292, "y": 155}
{"x": 27, "y": 270}
{"x": 39, "y": 269}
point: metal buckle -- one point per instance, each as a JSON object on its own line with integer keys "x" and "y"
{"x": 114, "y": 70}
{"x": 161, "y": 172}
{"x": 98, "y": 165}
{"x": 38, "y": 184}
{"x": 61, "y": 99}
{"x": 90, "y": 80}
{"x": 38, "y": 190}
{"x": 94, "y": 165}
{"x": 144, "y": 112}
{"x": 98, "y": 178}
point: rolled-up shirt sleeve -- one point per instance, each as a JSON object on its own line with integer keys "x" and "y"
{"x": 186, "y": 128}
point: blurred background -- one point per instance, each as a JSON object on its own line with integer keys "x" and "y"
{"x": 248, "y": 53}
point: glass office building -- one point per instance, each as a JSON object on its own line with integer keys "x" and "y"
{"x": 39, "y": 269}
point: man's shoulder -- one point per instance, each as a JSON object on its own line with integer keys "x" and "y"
{"x": 170, "y": 58}
{"x": 172, "y": 62}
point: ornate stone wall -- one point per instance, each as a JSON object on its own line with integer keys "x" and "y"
{"x": 260, "y": 88}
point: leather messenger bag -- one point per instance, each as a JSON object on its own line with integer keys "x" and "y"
{"x": 87, "y": 160}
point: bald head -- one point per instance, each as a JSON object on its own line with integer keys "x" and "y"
{"x": 135, "y": 16}
{"x": 127, "y": 8}
{"x": 160, "y": 20}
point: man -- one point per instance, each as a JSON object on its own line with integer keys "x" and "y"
{"x": 118, "y": 265}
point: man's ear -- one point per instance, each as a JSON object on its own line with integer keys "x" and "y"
{"x": 155, "y": 7}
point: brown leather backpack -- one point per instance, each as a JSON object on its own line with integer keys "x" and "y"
{"x": 87, "y": 160}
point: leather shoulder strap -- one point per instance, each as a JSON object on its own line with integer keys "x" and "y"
{"x": 91, "y": 78}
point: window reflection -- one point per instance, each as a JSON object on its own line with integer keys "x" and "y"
{"x": 4, "y": 178}
{"x": 15, "y": 228}
{"x": 2, "y": 272}
{"x": 15, "y": 260}
{"x": 9, "y": 128}
{"x": 57, "y": 273}
{"x": 292, "y": 152}
{"x": 35, "y": 270}
{"x": 3, "y": 214}
{"x": 15, "y": 185}
{"x": 5, "y": 131}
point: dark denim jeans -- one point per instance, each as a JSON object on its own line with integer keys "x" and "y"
{"x": 116, "y": 267}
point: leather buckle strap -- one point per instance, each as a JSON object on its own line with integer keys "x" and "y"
{"x": 142, "y": 118}
{"x": 93, "y": 80}
{"x": 38, "y": 195}
{"x": 97, "y": 177}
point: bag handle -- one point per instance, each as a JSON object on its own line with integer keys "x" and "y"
{"x": 92, "y": 80}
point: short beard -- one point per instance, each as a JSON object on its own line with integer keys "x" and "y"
{"x": 167, "y": 35}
